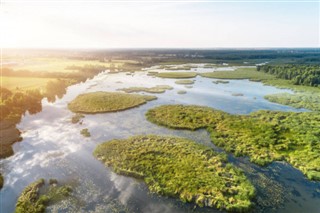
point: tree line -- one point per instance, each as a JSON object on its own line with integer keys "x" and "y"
{"x": 308, "y": 75}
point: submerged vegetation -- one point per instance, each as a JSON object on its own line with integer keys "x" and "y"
{"x": 77, "y": 118}
{"x": 156, "y": 89}
{"x": 99, "y": 102}
{"x": 1, "y": 181}
{"x": 220, "y": 82}
{"x": 176, "y": 74}
{"x": 184, "y": 82}
{"x": 264, "y": 136}
{"x": 298, "y": 100}
{"x": 182, "y": 92}
{"x": 37, "y": 196}
{"x": 181, "y": 168}
{"x": 237, "y": 94}
{"x": 85, "y": 133}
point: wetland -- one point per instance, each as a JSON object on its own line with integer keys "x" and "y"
{"x": 218, "y": 151}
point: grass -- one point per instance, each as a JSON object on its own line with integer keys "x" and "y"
{"x": 240, "y": 73}
{"x": 25, "y": 83}
{"x": 184, "y": 82}
{"x": 156, "y": 89}
{"x": 176, "y": 74}
{"x": 99, "y": 102}
{"x": 37, "y": 196}
{"x": 263, "y": 136}
{"x": 181, "y": 168}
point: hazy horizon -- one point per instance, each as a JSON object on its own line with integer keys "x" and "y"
{"x": 155, "y": 24}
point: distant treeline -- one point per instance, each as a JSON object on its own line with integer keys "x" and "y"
{"x": 81, "y": 73}
{"x": 308, "y": 75}
{"x": 238, "y": 56}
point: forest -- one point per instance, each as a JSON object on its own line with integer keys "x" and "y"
{"x": 308, "y": 75}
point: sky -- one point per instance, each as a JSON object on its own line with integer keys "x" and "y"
{"x": 159, "y": 24}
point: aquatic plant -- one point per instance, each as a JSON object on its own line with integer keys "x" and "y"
{"x": 37, "y": 196}
{"x": 176, "y": 74}
{"x": 182, "y": 92}
{"x": 180, "y": 168}
{"x": 184, "y": 82}
{"x": 85, "y": 132}
{"x": 237, "y": 94}
{"x": 76, "y": 118}
{"x": 99, "y": 102}
{"x": 156, "y": 89}
{"x": 1, "y": 181}
{"x": 264, "y": 136}
{"x": 298, "y": 100}
{"x": 220, "y": 82}
{"x": 240, "y": 73}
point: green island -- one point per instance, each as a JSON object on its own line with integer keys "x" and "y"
{"x": 184, "y": 82}
{"x": 155, "y": 89}
{"x": 176, "y": 74}
{"x": 263, "y": 136}
{"x": 181, "y": 168}
{"x": 38, "y": 195}
{"x": 100, "y": 102}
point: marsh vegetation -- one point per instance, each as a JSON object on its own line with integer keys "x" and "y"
{"x": 85, "y": 132}
{"x": 176, "y": 74}
{"x": 263, "y": 136}
{"x": 184, "y": 82}
{"x": 181, "y": 92}
{"x": 155, "y": 89}
{"x": 38, "y": 195}
{"x": 181, "y": 168}
{"x": 100, "y": 102}
{"x": 220, "y": 82}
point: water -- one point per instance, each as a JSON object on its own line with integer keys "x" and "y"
{"x": 53, "y": 148}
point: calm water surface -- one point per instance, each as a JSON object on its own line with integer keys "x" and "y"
{"x": 53, "y": 148}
